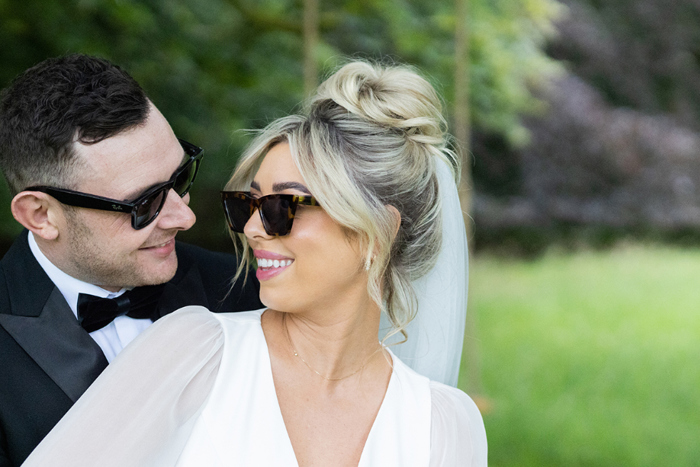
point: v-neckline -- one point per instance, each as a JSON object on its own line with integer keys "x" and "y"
{"x": 271, "y": 380}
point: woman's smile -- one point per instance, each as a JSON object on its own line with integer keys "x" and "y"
{"x": 270, "y": 264}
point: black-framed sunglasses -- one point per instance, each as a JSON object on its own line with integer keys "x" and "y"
{"x": 276, "y": 211}
{"x": 147, "y": 206}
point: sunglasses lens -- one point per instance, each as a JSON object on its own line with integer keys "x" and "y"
{"x": 276, "y": 211}
{"x": 277, "y": 215}
{"x": 238, "y": 210}
{"x": 185, "y": 178}
{"x": 148, "y": 209}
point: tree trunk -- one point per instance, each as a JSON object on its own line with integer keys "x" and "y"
{"x": 462, "y": 135}
{"x": 310, "y": 41}
{"x": 461, "y": 107}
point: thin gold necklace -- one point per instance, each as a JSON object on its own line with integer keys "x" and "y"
{"x": 296, "y": 354}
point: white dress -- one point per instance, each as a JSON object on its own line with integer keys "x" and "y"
{"x": 197, "y": 390}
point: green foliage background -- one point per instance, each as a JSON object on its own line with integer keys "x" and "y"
{"x": 214, "y": 67}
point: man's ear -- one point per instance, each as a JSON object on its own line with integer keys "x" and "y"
{"x": 36, "y": 211}
{"x": 397, "y": 215}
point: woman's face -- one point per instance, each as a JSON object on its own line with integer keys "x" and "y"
{"x": 320, "y": 266}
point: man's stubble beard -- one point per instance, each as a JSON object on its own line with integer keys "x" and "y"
{"x": 101, "y": 268}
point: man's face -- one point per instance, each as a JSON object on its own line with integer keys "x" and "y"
{"x": 101, "y": 247}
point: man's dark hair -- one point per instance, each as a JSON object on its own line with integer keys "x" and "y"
{"x": 55, "y": 103}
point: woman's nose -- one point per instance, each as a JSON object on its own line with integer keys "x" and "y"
{"x": 254, "y": 228}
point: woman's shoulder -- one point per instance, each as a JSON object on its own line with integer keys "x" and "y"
{"x": 455, "y": 416}
{"x": 449, "y": 401}
{"x": 199, "y": 315}
{"x": 240, "y": 317}
{"x": 198, "y": 324}
{"x": 446, "y": 400}
{"x": 237, "y": 325}
{"x": 457, "y": 433}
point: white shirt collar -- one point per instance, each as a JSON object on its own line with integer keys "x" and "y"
{"x": 69, "y": 286}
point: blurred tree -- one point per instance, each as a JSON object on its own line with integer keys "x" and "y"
{"x": 616, "y": 155}
{"x": 642, "y": 54}
{"x": 217, "y": 66}
{"x": 310, "y": 43}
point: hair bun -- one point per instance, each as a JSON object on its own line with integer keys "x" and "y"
{"x": 391, "y": 97}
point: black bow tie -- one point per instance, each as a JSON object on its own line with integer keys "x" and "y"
{"x": 95, "y": 313}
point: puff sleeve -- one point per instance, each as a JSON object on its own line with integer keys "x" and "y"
{"x": 457, "y": 435}
{"x": 142, "y": 408}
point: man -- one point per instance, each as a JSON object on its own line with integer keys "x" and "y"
{"x": 100, "y": 182}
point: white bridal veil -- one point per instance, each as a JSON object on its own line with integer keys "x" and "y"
{"x": 434, "y": 346}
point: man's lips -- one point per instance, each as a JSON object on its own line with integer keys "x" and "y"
{"x": 159, "y": 245}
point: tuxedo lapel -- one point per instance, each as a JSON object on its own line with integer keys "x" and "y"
{"x": 38, "y": 318}
{"x": 57, "y": 343}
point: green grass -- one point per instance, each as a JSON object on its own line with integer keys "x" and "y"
{"x": 590, "y": 359}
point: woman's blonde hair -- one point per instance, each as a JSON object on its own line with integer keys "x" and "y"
{"x": 367, "y": 140}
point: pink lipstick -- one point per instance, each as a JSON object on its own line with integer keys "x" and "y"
{"x": 270, "y": 264}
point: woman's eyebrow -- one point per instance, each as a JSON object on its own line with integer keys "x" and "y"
{"x": 276, "y": 187}
{"x": 254, "y": 185}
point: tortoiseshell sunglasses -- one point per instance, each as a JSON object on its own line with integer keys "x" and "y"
{"x": 276, "y": 211}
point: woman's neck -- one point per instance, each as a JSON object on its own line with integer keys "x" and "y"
{"x": 336, "y": 343}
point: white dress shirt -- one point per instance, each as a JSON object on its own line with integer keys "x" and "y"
{"x": 111, "y": 338}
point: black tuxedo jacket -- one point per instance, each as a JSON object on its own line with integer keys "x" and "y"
{"x": 47, "y": 360}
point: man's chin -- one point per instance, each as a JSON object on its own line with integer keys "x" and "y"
{"x": 162, "y": 276}
{"x": 156, "y": 274}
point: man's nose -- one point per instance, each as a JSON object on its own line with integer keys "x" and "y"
{"x": 176, "y": 214}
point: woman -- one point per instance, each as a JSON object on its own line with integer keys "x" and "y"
{"x": 342, "y": 210}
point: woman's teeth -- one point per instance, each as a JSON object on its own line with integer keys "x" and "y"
{"x": 273, "y": 263}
